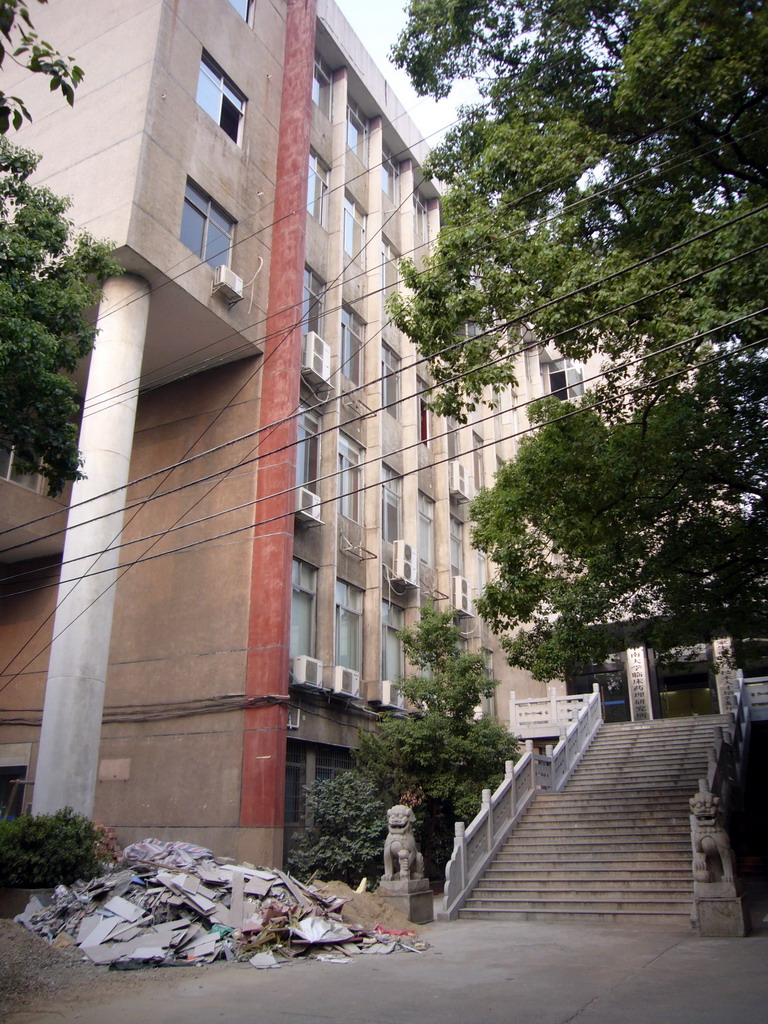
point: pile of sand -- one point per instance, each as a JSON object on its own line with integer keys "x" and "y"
{"x": 366, "y": 908}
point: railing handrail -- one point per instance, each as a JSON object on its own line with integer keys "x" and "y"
{"x": 475, "y": 845}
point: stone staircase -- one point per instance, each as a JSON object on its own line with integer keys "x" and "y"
{"x": 615, "y": 843}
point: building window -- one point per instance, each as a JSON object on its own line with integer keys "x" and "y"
{"x": 321, "y": 86}
{"x": 477, "y": 461}
{"x": 452, "y": 437}
{"x": 420, "y": 216}
{"x": 220, "y": 98}
{"x": 295, "y": 782}
{"x": 12, "y": 791}
{"x": 205, "y": 228}
{"x": 392, "y": 622}
{"x": 8, "y": 471}
{"x": 354, "y": 231}
{"x": 312, "y": 308}
{"x": 456, "y": 537}
{"x": 349, "y": 626}
{"x": 565, "y": 379}
{"x": 243, "y": 8}
{"x": 391, "y": 504}
{"x": 308, "y": 450}
{"x": 388, "y": 269}
{"x": 332, "y": 761}
{"x": 390, "y": 374}
{"x": 426, "y": 530}
{"x": 350, "y": 478}
{"x": 352, "y": 337}
{"x": 422, "y": 397}
{"x": 390, "y": 177}
{"x": 482, "y": 571}
{"x": 303, "y": 604}
{"x": 357, "y": 132}
{"x": 317, "y": 189}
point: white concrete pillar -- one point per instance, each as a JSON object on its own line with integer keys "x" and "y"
{"x": 67, "y": 763}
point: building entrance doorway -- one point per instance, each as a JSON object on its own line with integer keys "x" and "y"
{"x": 681, "y": 696}
{"x": 611, "y": 677}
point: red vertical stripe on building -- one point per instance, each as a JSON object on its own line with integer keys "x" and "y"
{"x": 263, "y": 771}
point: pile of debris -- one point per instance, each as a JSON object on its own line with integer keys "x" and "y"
{"x": 176, "y": 903}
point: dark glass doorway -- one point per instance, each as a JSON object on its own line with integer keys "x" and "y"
{"x": 681, "y": 696}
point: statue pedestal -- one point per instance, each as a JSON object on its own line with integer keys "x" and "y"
{"x": 411, "y": 896}
{"x": 720, "y": 910}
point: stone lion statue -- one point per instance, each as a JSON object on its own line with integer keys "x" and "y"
{"x": 401, "y": 858}
{"x": 709, "y": 837}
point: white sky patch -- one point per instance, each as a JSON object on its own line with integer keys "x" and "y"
{"x": 378, "y": 26}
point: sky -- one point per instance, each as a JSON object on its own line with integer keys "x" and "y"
{"x": 378, "y": 26}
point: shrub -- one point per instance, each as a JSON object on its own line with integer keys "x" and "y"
{"x": 346, "y": 840}
{"x": 45, "y": 850}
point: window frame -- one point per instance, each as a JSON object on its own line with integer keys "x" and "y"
{"x": 313, "y": 302}
{"x": 390, "y": 637}
{"x": 350, "y": 458}
{"x": 391, "y": 504}
{"x": 424, "y": 413}
{"x": 355, "y": 223}
{"x": 478, "y": 462}
{"x": 357, "y": 122}
{"x": 420, "y": 216}
{"x": 239, "y": 5}
{"x": 206, "y": 209}
{"x": 352, "y": 344}
{"x": 390, "y": 176}
{"x": 303, "y": 584}
{"x": 389, "y": 270}
{"x": 308, "y": 449}
{"x": 390, "y": 377}
{"x": 426, "y": 516}
{"x": 318, "y": 188}
{"x": 456, "y": 546}
{"x": 224, "y": 101}
{"x": 322, "y": 86}
{"x": 348, "y": 615}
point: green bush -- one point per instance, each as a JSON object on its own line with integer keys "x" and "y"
{"x": 44, "y": 850}
{"x": 346, "y": 840}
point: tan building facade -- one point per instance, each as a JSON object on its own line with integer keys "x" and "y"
{"x": 288, "y": 500}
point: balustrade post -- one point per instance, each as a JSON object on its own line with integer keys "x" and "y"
{"x": 460, "y": 848}
{"x": 509, "y": 775}
{"x": 553, "y": 704}
{"x": 488, "y": 821}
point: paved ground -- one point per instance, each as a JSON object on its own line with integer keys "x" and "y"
{"x": 474, "y": 973}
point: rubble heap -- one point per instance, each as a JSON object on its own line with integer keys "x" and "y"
{"x": 177, "y": 903}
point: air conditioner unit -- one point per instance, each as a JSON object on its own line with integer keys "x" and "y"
{"x": 459, "y": 481}
{"x": 308, "y": 671}
{"x": 315, "y": 359}
{"x": 390, "y": 695}
{"x": 406, "y": 564}
{"x": 227, "y": 284}
{"x": 308, "y": 505}
{"x": 346, "y": 680}
{"x": 461, "y": 599}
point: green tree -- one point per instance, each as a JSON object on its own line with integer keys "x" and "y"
{"x": 49, "y": 277}
{"x": 440, "y": 758}
{"x": 349, "y": 825}
{"x": 48, "y": 849}
{"x": 609, "y": 193}
{"x": 23, "y": 45}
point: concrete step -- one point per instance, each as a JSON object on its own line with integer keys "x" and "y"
{"x": 586, "y": 887}
{"x": 656, "y": 915}
{"x": 639, "y": 860}
{"x": 630, "y": 875}
{"x": 679, "y": 905}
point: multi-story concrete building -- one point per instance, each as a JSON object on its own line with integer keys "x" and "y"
{"x": 268, "y": 496}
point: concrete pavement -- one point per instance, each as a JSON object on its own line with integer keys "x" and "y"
{"x": 474, "y": 973}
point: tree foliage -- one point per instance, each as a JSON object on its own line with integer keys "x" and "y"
{"x": 609, "y": 193}
{"x": 20, "y": 42}
{"x": 49, "y": 276}
{"x": 349, "y": 825}
{"x": 441, "y": 758}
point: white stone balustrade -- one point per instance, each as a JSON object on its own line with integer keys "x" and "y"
{"x": 544, "y": 717}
